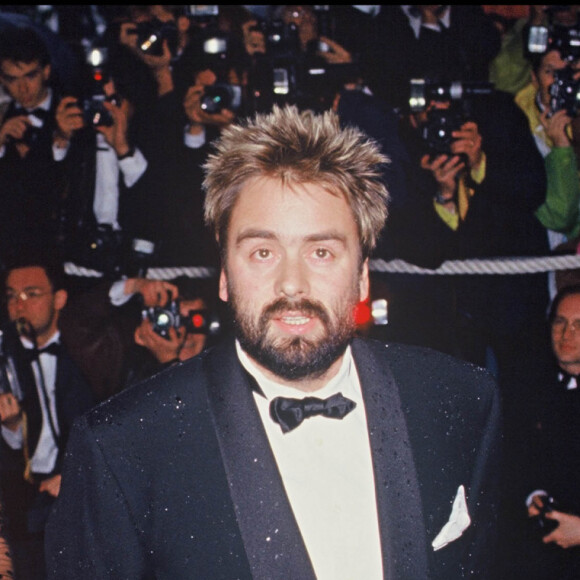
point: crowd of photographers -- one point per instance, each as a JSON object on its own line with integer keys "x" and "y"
{"x": 108, "y": 114}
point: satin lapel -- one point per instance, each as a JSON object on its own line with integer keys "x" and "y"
{"x": 398, "y": 497}
{"x": 271, "y": 536}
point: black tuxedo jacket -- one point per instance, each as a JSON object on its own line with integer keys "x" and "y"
{"x": 73, "y": 397}
{"x": 174, "y": 478}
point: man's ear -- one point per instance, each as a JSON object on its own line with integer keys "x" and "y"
{"x": 364, "y": 283}
{"x": 60, "y": 299}
{"x": 46, "y": 72}
{"x": 223, "y": 289}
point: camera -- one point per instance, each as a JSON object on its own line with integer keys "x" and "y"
{"x": 437, "y": 130}
{"x": 169, "y": 316}
{"x": 221, "y": 96}
{"x": 565, "y": 92}
{"x": 203, "y": 14}
{"x": 32, "y": 132}
{"x": 566, "y": 40}
{"x": 94, "y": 112}
{"x": 152, "y": 33}
{"x": 545, "y": 525}
{"x": 424, "y": 91}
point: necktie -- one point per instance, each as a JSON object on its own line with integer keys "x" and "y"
{"x": 289, "y": 413}
{"x": 570, "y": 382}
{"x": 38, "y": 112}
{"x": 53, "y": 348}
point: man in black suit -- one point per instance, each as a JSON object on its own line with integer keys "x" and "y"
{"x": 31, "y": 181}
{"x": 554, "y": 456}
{"x": 37, "y": 407}
{"x": 385, "y": 467}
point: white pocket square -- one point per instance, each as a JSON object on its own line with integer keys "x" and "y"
{"x": 458, "y": 521}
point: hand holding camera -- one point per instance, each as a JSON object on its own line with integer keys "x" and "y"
{"x": 153, "y": 292}
{"x": 165, "y": 348}
{"x": 556, "y": 126}
{"x": 14, "y": 128}
{"x": 467, "y": 141}
{"x": 208, "y": 104}
{"x": 69, "y": 119}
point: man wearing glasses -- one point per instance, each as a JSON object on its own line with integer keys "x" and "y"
{"x": 37, "y": 409}
{"x": 553, "y": 503}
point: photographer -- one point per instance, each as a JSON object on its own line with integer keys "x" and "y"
{"x": 551, "y": 122}
{"x": 178, "y": 321}
{"x": 37, "y": 416}
{"x": 31, "y": 182}
{"x": 475, "y": 201}
{"x": 103, "y": 166}
{"x": 552, "y": 548}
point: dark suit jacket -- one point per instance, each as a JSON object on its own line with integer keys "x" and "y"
{"x": 174, "y": 478}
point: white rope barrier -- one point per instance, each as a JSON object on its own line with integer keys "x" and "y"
{"x": 522, "y": 265}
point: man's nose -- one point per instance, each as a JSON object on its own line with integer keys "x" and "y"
{"x": 292, "y": 278}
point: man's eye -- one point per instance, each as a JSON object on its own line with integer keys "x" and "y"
{"x": 263, "y": 254}
{"x": 322, "y": 253}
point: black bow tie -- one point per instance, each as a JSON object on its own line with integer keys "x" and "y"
{"x": 39, "y": 112}
{"x": 289, "y": 413}
{"x": 569, "y": 381}
{"x": 53, "y": 348}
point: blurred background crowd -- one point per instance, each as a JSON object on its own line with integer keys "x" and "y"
{"x": 107, "y": 115}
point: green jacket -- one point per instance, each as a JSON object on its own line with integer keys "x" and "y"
{"x": 560, "y": 211}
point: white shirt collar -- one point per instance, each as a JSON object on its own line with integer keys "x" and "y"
{"x": 416, "y": 24}
{"x": 28, "y": 344}
{"x": 572, "y": 383}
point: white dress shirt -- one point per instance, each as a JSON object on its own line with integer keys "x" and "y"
{"x": 327, "y": 473}
{"x": 46, "y": 452}
{"x": 108, "y": 170}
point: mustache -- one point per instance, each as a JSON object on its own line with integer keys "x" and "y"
{"x": 304, "y": 306}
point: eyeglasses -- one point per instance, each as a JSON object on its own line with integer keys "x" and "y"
{"x": 32, "y": 294}
{"x": 561, "y": 325}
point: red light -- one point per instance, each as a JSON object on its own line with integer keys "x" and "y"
{"x": 197, "y": 320}
{"x": 363, "y": 313}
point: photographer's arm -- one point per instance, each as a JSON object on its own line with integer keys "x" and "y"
{"x": 154, "y": 292}
{"x": 560, "y": 210}
{"x": 198, "y": 119}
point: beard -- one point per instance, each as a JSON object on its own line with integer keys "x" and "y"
{"x": 295, "y": 357}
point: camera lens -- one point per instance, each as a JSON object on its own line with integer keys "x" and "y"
{"x": 215, "y": 99}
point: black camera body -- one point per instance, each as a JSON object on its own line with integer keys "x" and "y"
{"x": 169, "y": 316}
{"x": 565, "y": 92}
{"x": 543, "y": 524}
{"x": 95, "y": 113}
{"x": 424, "y": 91}
{"x": 152, "y": 33}
{"x": 437, "y": 130}
{"x": 32, "y": 132}
{"x": 221, "y": 96}
{"x": 566, "y": 40}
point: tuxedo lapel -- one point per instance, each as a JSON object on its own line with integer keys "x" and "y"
{"x": 271, "y": 537}
{"x": 399, "y": 505}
